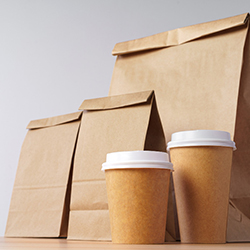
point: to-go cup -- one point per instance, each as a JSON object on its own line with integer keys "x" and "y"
{"x": 137, "y": 187}
{"x": 202, "y": 161}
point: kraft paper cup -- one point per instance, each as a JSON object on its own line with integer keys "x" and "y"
{"x": 202, "y": 161}
{"x": 137, "y": 187}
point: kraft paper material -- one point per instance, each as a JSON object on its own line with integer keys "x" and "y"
{"x": 118, "y": 123}
{"x": 41, "y": 194}
{"x": 138, "y": 201}
{"x": 202, "y": 184}
{"x": 201, "y": 77}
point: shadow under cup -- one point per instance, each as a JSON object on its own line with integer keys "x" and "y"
{"x": 202, "y": 161}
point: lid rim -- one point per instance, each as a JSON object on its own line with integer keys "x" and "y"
{"x": 213, "y": 143}
{"x": 201, "y": 145}
{"x": 137, "y": 165}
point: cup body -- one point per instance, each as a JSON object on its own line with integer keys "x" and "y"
{"x": 202, "y": 184}
{"x": 138, "y": 199}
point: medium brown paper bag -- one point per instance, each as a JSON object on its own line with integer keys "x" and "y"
{"x": 110, "y": 124}
{"x": 201, "y": 78}
{"x": 41, "y": 194}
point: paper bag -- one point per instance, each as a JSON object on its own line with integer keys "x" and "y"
{"x": 41, "y": 194}
{"x": 201, "y": 78}
{"x": 111, "y": 124}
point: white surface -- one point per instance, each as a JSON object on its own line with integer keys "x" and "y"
{"x": 201, "y": 138}
{"x": 56, "y": 53}
{"x": 137, "y": 159}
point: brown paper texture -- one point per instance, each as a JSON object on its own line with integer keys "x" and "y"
{"x": 138, "y": 201}
{"x": 200, "y": 75}
{"x": 111, "y": 124}
{"x": 41, "y": 194}
{"x": 202, "y": 183}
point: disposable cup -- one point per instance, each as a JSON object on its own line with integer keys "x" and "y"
{"x": 202, "y": 161}
{"x": 137, "y": 187}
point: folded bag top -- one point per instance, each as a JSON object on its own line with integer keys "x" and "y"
{"x": 179, "y": 36}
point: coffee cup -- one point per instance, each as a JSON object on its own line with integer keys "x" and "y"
{"x": 202, "y": 161}
{"x": 137, "y": 187}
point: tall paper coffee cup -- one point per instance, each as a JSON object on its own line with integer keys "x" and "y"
{"x": 202, "y": 161}
{"x": 137, "y": 187}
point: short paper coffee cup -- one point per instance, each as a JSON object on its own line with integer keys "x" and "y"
{"x": 137, "y": 188}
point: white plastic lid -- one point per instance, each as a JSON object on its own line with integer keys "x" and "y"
{"x": 201, "y": 138}
{"x": 137, "y": 159}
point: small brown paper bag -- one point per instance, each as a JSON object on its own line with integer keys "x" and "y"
{"x": 110, "y": 124}
{"x": 201, "y": 76}
{"x": 41, "y": 194}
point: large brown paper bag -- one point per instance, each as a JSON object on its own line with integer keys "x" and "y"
{"x": 110, "y": 124}
{"x": 41, "y": 194}
{"x": 201, "y": 78}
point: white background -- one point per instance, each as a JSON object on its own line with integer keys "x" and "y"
{"x": 56, "y": 53}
